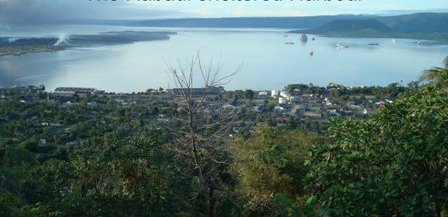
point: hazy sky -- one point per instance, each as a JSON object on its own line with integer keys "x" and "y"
{"x": 35, "y": 11}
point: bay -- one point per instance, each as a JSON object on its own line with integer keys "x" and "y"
{"x": 266, "y": 59}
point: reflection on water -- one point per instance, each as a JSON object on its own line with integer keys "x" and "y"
{"x": 267, "y": 61}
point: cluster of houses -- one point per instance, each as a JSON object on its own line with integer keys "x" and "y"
{"x": 315, "y": 107}
{"x": 306, "y": 106}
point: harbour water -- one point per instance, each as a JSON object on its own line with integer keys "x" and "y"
{"x": 266, "y": 59}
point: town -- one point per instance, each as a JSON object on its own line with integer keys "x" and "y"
{"x": 255, "y": 147}
{"x": 296, "y": 106}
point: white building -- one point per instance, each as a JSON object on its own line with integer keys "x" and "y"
{"x": 281, "y": 100}
{"x": 284, "y": 94}
{"x": 263, "y": 95}
{"x": 72, "y": 91}
{"x": 274, "y": 93}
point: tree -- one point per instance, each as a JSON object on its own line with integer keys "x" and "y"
{"x": 249, "y": 94}
{"x": 270, "y": 167}
{"x": 201, "y": 127}
{"x": 113, "y": 177}
{"x": 393, "y": 164}
{"x": 437, "y": 76}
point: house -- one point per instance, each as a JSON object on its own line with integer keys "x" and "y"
{"x": 197, "y": 92}
{"x": 281, "y": 100}
{"x": 297, "y": 110}
{"x": 263, "y": 95}
{"x": 312, "y": 115}
{"x": 284, "y": 94}
{"x": 260, "y": 108}
{"x": 274, "y": 93}
{"x": 72, "y": 91}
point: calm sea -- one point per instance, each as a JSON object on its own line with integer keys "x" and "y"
{"x": 265, "y": 58}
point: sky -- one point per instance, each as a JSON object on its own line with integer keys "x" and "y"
{"x": 50, "y": 11}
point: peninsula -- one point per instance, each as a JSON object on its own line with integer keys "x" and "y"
{"x": 19, "y": 46}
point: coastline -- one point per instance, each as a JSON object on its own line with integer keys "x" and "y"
{"x": 22, "y": 50}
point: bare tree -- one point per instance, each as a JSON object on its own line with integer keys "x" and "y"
{"x": 204, "y": 122}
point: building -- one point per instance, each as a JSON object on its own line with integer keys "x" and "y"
{"x": 262, "y": 95}
{"x": 274, "y": 93}
{"x": 284, "y": 94}
{"x": 72, "y": 91}
{"x": 281, "y": 100}
{"x": 197, "y": 92}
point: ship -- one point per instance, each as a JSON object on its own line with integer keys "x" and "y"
{"x": 303, "y": 38}
{"x": 340, "y": 46}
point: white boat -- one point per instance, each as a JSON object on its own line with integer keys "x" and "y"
{"x": 340, "y": 46}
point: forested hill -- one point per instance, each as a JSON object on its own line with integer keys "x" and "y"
{"x": 419, "y": 25}
{"x": 237, "y": 22}
{"x": 367, "y": 27}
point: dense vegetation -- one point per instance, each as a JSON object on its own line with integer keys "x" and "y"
{"x": 19, "y": 46}
{"x": 419, "y": 25}
{"x": 129, "y": 161}
{"x": 365, "y": 28}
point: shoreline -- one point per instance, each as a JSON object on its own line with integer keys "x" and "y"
{"x": 29, "y": 49}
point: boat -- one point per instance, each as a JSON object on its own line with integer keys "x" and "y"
{"x": 311, "y": 53}
{"x": 289, "y": 43}
{"x": 373, "y": 44}
{"x": 340, "y": 46}
{"x": 303, "y": 38}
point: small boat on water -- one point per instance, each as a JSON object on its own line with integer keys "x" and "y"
{"x": 311, "y": 53}
{"x": 374, "y": 44}
{"x": 340, "y": 46}
{"x": 303, "y": 38}
{"x": 289, "y": 43}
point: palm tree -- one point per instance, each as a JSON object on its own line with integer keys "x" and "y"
{"x": 437, "y": 76}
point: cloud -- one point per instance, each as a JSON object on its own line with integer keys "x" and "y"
{"x": 202, "y": 11}
{"x": 239, "y": 12}
{"x": 59, "y": 11}
{"x": 295, "y": 13}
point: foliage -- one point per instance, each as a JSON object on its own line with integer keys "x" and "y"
{"x": 270, "y": 167}
{"x": 119, "y": 157}
{"x": 392, "y": 164}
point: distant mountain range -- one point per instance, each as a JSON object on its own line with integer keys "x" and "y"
{"x": 419, "y": 26}
{"x": 431, "y": 26}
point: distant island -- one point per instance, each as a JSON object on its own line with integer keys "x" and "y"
{"x": 424, "y": 26}
{"x": 19, "y": 46}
